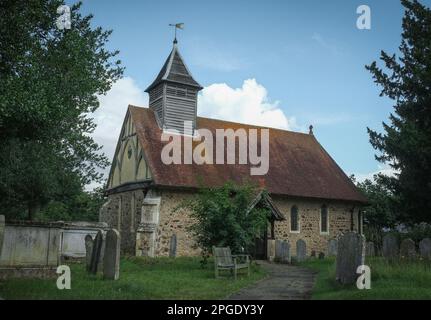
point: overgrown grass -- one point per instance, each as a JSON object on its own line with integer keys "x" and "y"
{"x": 396, "y": 280}
{"x": 140, "y": 278}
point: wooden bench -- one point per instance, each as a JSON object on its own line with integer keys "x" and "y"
{"x": 224, "y": 260}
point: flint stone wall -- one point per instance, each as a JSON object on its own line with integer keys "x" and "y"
{"x": 176, "y": 222}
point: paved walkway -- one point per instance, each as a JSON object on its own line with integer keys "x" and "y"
{"x": 284, "y": 282}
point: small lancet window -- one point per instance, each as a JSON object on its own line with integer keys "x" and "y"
{"x": 294, "y": 219}
{"x": 324, "y": 227}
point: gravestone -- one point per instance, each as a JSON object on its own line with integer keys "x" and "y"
{"x": 408, "y": 249}
{"x": 390, "y": 248}
{"x": 2, "y": 228}
{"x": 278, "y": 250}
{"x": 96, "y": 253}
{"x": 350, "y": 255}
{"x": 425, "y": 248}
{"x": 285, "y": 252}
{"x": 332, "y": 248}
{"x": 88, "y": 251}
{"x": 370, "y": 250}
{"x": 313, "y": 254}
{"x": 111, "y": 259}
{"x": 321, "y": 255}
{"x": 173, "y": 246}
{"x": 270, "y": 249}
{"x": 102, "y": 251}
{"x": 301, "y": 250}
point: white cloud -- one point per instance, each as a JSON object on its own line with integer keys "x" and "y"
{"x": 110, "y": 115}
{"x": 385, "y": 170}
{"x": 249, "y": 104}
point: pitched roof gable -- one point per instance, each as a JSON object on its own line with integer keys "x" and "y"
{"x": 298, "y": 164}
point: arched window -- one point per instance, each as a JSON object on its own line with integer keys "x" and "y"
{"x": 294, "y": 219}
{"x": 324, "y": 220}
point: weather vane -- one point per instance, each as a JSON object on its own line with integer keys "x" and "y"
{"x": 177, "y": 26}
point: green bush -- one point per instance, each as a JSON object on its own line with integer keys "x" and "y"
{"x": 223, "y": 217}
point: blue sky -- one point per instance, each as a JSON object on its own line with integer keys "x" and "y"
{"x": 308, "y": 55}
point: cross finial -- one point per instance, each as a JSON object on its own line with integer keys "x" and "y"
{"x": 176, "y": 26}
{"x": 311, "y": 129}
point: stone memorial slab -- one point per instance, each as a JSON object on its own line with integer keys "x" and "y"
{"x": 271, "y": 249}
{"x": 332, "y": 248}
{"x": 425, "y": 248}
{"x": 2, "y": 228}
{"x": 278, "y": 250}
{"x": 301, "y": 250}
{"x": 88, "y": 251}
{"x": 285, "y": 252}
{"x": 111, "y": 259}
{"x": 408, "y": 249}
{"x": 96, "y": 253}
{"x": 390, "y": 247}
{"x": 370, "y": 249}
{"x": 351, "y": 247}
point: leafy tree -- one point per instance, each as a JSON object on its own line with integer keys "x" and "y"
{"x": 83, "y": 206}
{"x": 406, "y": 142}
{"x": 381, "y": 212}
{"x": 49, "y": 82}
{"x": 223, "y": 217}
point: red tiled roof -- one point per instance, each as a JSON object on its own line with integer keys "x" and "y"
{"x": 298, "y": 164}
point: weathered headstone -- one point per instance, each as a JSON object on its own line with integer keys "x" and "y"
{"x": 425, "y": 248}
{"x": 321, "y": 255}
{"x": 2, "y": 227}
{"x": 313, "y": 254}
{"x": 111, "y": 259}
{"x": 173, "y": 246}
{"x": 408, "y": 249}
{"x": 88, "y": 251}
{"x": 370, "y": 249}
{"x": 332, "y": 248}
{"x": 102, "y": 251}
{"x": 390, "y": 248}
{"x": 285, "y": 252}
{"x": 350, "y": 255}
{"x": 271, "y": 249}
{"x": 96, "y": 252}
{"x": 301, "y": 250}
{"x": 278, "y": 251}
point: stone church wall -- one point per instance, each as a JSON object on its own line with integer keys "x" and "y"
{"x": 148, "y": 230}
{"x": 122, "y": 211}
{"x": 339, "y": 215}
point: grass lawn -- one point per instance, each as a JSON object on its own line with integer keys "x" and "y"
{"x": 399, "y": 280}
{"x": 140, "y": 278}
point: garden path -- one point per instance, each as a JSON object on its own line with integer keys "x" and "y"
{"x": 284, "y": 282}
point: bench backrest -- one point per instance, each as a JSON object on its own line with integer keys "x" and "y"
{"x": 222, "y": 256}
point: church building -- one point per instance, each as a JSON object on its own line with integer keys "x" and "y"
{"x": 310, "y": 197}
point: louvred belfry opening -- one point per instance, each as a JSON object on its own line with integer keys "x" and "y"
{"x": 174, "y": 95}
